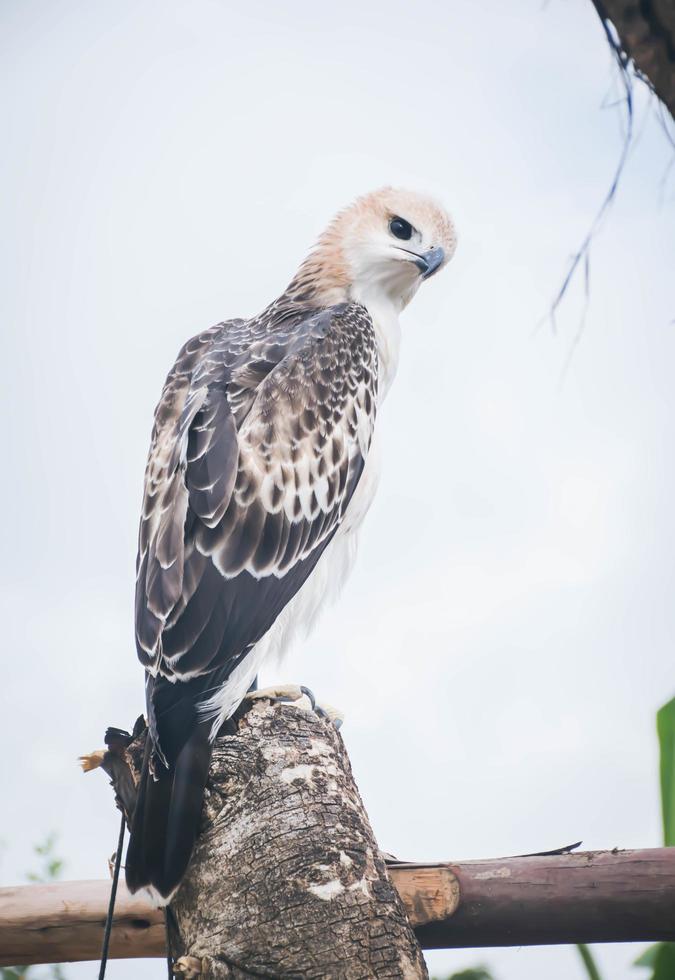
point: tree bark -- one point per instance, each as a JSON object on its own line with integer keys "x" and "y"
{"x": 646, "y": 29}
{"x": 286, "y": 879}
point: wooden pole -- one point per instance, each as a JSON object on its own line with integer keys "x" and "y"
{"x": 594, "y": 896}
{"x": 585, "y": 897}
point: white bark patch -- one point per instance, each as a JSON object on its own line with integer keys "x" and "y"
{"x": 360, "y": 886}
{"x": 292, "y": 773}
{"x": 345, "y": 860}
{"x": 328, "y": 891}
{"x": 323, "y": 748}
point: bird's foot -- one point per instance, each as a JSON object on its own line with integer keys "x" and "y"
{"x": 278, "y": 694}
{"x": 189, "y": 967}
{"x": 292, "y": 694}
{"x": 92, "y": 760}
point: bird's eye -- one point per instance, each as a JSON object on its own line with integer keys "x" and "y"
{"x": 400, "y": 228}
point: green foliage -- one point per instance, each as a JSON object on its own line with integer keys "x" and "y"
{"x": 29, "y": 973}
{"x": 587, "y": 959}
{"x": 660, "y": 958}
{"x": 665, "y": 726}
{"x": 50, "y": 869}
{"x": 52, "y": 866}
{"x": 648, "y": 958}
{"x": 473, "y": 973}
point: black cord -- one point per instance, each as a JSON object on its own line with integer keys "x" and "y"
{"x": 111, "y": 904}
{"x": 169, "y": 957}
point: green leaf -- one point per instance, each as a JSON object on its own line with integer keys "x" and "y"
{"x": 47, "y": 846}
{"x": 648, "y": 958}
{"x": 660, "y": 958}
{"x": 665, "y": 726}
{"x": 54, "y": 868}
{"x": 587, "y": 959}
{"x": 664, "y": 969}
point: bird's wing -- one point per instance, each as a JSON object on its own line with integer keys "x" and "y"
{"x": 258, "y": 445}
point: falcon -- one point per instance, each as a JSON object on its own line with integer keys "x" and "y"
{"x": 261, "y": 468}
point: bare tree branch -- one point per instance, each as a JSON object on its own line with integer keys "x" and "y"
{"x": 646, "y": 36}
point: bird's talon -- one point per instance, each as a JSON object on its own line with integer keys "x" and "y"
{"x": 310, "y": 696}
{"x": 330, "y": 714}
{"x": 292, "y": 694}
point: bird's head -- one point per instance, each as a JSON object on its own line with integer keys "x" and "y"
{"x": 381, "y": 248}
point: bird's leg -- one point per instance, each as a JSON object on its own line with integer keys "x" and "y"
{"x": 292, "y": 694}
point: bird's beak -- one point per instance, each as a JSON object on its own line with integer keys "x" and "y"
{"x": 429, "y": 262}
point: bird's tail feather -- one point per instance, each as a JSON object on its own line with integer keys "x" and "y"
{"x": 166, "y": 816}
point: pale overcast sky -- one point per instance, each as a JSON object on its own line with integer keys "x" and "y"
{"x": 508, "y": 634}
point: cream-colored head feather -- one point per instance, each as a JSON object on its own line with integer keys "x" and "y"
{"x": 378, "y": 248}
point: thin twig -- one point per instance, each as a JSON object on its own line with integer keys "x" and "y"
{"x": 581, "y": 255}
{"x": 581, "y": 258}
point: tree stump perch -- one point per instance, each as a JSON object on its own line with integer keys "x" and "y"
{"x": 286, "y": 879}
